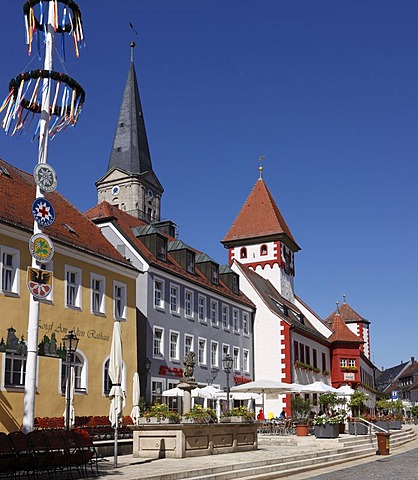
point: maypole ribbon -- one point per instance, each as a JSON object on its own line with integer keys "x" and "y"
{"x": 73, "y": 27}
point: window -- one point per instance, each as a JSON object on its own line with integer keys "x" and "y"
{"x": 79, "y": 371}
{"x": 235, "y": 284}
{"x": 245, "y": 326}
{"x": 161, "y": 244}
{"x": 202, "y": 351}
{"x": 246, "y": 360}
{"x": 158, "y": 294}
{"x": 225, "y": 317}
{"x": 324, "y": 362}
{"x": 201, "y": 308}
{"x": 97, "y": 293}
{"x": 158, "y": 342}
{"x": 263, "y": 250}
{"x": 73, "y": 287}
{"x": 307, "y": 355}
{"x": 107, "y": 383}
{"x": 188, "y": 304}
{"x": 314, "y": 359}
{"x": 172, "y": 402}
{"x": 157, "y": 388}
{"x": 235, "y": 319}
{"x": 189, "y": 262}
{"x": 343, "y": 362}
{"x": 188, "y": 343}
{"x": 243, "y": 252}
{"x": 10, "y": 259}
{"x": 296, "y": 350}
{"x": 214, "y": 312}
{"x": 351, "y": 362}
{"x": 214, "y": 354}
{"x": 302, "y": 352}
{"x": 236, "y": 358}
{"x": 174, "y": 299}
{"x": 214, "y": 274}
{"x": 119, "y": 300}
{"x": 15, "y": 370}
{"x": 174, "y": 346}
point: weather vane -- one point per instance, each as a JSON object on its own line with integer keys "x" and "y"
{"x": 260, "y": 168}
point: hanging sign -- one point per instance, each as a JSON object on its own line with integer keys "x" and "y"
{"x": 39, "y": 282}
{"x": 41, "y": 248}
{"x": 43, "y": 212}
{"x": 45, "y": 177}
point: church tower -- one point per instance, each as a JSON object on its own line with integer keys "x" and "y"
{"x": 130, "y": 182}
{"x": 260, "y": 239}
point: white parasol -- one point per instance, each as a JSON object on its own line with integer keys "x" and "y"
{"x": 136, "y": 395}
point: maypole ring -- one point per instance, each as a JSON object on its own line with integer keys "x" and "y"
{"x": 68, "y": 27}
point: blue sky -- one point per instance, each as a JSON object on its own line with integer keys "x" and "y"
{"x": 326, "y": 90}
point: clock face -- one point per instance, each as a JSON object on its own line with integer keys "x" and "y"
{"x": 115, "y": 190}
{"x": 150, "y": 193}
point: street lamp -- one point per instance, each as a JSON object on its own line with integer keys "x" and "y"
{"x": 70, "y": 344}
{"x": 227, "y": 363}
{"x": 213, "y": 374}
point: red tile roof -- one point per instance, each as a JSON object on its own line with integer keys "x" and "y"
{"x": 348, "y": 314}
{"x": 259, "y": 218}
{"x": 17, "y": 193}
{"x": 341, "y": 332}
{"x": 124, "y": 222}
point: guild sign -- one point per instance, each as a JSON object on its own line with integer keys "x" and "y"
{"x": 45, "y": 177}
{"x": 43, "y": 212}
{"x": 349, "y": 376}
{"x": 41, "y": 248}
{"x": 39, "y": 282}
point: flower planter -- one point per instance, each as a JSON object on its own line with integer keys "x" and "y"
{"x": 234, "y": 419}
{"x": 341, "y": 428}
{"x": 155, "y": 420}
{"x": 302, "y": 430}
{"x": 382, "y": 424}
{"x": 327, "y": 430}
{"x": 357, "y": 428}
{"x": 395, "y": 425}
{"x": 416, "y": 421}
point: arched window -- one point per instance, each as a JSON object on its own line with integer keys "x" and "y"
{"x": 243, "y": 252}
{"x": 80, "y": 370}
{"x": 263, "y": 250}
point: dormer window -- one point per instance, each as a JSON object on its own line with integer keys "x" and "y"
{"x": 243, "y": 252}
{"x": 189, "y": 261}
{"x": 235, "y": 284}
{"x": 263, "y": 250}
{"x": 161, "y": 248}
{"x": 214, "y": 274}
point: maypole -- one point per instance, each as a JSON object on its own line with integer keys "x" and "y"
{"x": 29, "y": 96}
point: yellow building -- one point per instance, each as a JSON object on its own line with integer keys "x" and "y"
{"x": 93, "y": 286}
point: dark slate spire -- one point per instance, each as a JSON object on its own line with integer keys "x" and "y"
{"x": 130, "y": 150}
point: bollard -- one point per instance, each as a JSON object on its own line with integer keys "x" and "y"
{"x": 382, "y": 443}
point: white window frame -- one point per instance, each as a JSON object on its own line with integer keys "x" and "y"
{"x": 235, "y": 356}
{"x": 235, "y": 319}
{"x": 160, "y": 353}
{"x": 79, "y": 363}
{"x": 119, "y": 298}
{"x": 100, "y": 293}
{"x": 174, "y": 294}
{"x": 246, "y": 360}
{"x": 201, "y": 308}
{"x": 343, "y": 362}
{"x": 157, "y": 397}
{"x": 18, "y": 367}
{"x": 352, "y": 362}
{"x": 158, "y": 294}
{"x": 188, "y": 303}
{"x": 14, "y": 269}
{"x": 245, "y": 323}
{"x": 176, "y": 356}
{"x": 225, "y": 316}
{"x": 187, "y": 335}
{"x": 214, "y": 354}
{"x": 204, "y": 360}
{"x": 214, "y": 313}
{"x": 73, "y": 287}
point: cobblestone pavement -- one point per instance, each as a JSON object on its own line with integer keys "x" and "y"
{"x": 402, "y": 466}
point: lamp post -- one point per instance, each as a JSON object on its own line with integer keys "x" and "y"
{"x": 227, "y": 363}
{"x": 70, "y": 343}
{"x": 213, "y": 374}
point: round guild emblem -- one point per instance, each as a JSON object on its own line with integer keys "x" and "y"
{"x": 39, "y": 282}
{"x": 43, "y": 212}
{"x": 41, "y": 248}
{"x": 45, "y": 177}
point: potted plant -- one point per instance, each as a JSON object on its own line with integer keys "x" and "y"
{"x": 199, "y": 414}
{"x": 300, "y": 414}
{"x": 357, "y": 402}
{"x": 159, "y": 413}
{"x": 415, "y": 414}
{"x": 326, "y": 426}
{"x": 238, "y": 415}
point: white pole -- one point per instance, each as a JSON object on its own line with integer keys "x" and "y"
{"x": 32, "y": 358}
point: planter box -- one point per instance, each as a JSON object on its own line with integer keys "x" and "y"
{"x": 327, "y": 430}
{"x": 416, "y": 421}
{"x": 341, "y": 428}
{"x": 357, "y": 428}
{"x": 234, "y": 420}
{"x": 154, "y": 421}
{"x": 382, "y": 424}
{"x": 395, "y": 425}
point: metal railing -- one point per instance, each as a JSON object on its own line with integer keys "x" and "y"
{"x": 370, "y": 426}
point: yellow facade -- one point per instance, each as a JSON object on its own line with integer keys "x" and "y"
{"x": 94, "y": 330}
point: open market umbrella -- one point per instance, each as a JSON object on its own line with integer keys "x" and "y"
{"x": 136, "y": 395}
{"x": 205, "y": 392}
{"x": 116, "y": 395}
{"x": 173, "y": 392}
{"x": 317, "y": 387}
{"x": 345, "y": 390}
{"x": 71, "y": 378}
